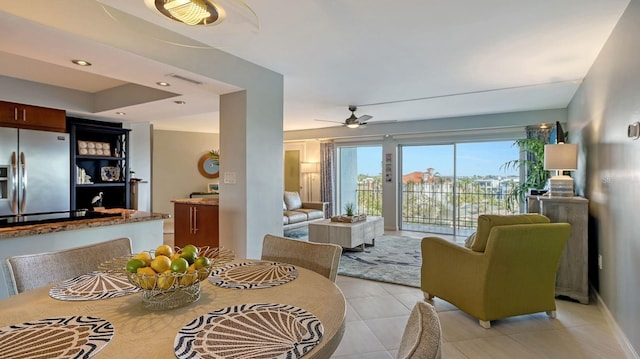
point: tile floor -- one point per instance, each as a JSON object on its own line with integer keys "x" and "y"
{"x": 377, "y": 313}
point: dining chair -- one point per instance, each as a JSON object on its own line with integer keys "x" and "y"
{"x": 322, "y": 258}
{"x": 422, "y": 337}
{"x": 36, "y": 270}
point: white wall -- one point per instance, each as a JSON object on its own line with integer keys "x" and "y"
{"x": 609, "y": 169}
{"x": 140, "y": 139}
{"x": 175, "y": 166}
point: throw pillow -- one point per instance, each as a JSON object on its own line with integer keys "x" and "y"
{"x": 469, "y": 241}
{"x": 488, "y": 221}
{"x": 292, "y": 200}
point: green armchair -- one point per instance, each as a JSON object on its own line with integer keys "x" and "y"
{"x": 509, "y": 269}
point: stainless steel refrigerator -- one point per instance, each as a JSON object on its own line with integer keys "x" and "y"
{"x": 34, "y": 172}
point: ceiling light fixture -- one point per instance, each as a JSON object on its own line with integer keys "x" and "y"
{"x": 162, "y": 83}
{"x": 120, "y": 113}
{"x": 180, "y": 102}
{"x": 81, "y": 62}
{"x": 190, "y": 12}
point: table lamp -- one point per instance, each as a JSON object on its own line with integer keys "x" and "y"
{"x": 561, "y": 157}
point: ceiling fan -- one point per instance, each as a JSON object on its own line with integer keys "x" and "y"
{"x": 352, "y": 121}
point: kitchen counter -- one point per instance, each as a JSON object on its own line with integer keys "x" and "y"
{"x": 144, "y": 229}
{"x": 201, "y": 201}
{"x": 126, "y": 216}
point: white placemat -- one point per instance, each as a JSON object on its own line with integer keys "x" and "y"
{"x": 93, "y": 286}
{"x": 253, "y": 275}
{"x": 253, "y": 331}
{"x": 66, "y": 337}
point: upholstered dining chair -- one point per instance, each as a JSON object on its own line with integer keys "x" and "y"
{"x": 422, "y": 337}
{"x": 36, "y": 270}
{"x": 322, "y": 258}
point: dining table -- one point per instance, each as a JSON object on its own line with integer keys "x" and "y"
{"x": 124, "y": 327}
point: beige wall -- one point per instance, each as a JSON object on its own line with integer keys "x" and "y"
{"x": 175, "y": 166}
{"x": 609, "y": 170}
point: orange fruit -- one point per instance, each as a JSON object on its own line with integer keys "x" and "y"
{"x": 189, "y": 277}
{"x": 164, "y": 250}
{"x": 160, "y": 263}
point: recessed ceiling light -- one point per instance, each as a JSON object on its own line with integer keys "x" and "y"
{"x": 180, "y": 102}
{"x": 119, "y": 113}
{"x": 81, "y": 62}
{"x": 190, "y": 12}
{"x": 162, "y": 83}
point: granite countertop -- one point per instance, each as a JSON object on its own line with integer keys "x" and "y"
{"x": 201, "y": 201}
{"x": 127, "y": 216}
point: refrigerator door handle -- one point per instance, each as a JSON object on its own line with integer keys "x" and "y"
{"x": 14, "y": 184}
{"x": 23, "y": 199}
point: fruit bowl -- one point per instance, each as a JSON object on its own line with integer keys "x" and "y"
{"x": 168, "y": 290}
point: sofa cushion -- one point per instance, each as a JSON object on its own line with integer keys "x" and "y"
{"x": 295, "y": 216}
{"x": 469, "y": 241}
{"x": 284, "y": 205}
{"x": 285, "y": 220}
{"x": 486, "y": 222}
{"x": 292, "y": 200}
{"x": 311, "y": 213}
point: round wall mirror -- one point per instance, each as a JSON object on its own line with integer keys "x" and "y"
{"x": 209, "y": 165}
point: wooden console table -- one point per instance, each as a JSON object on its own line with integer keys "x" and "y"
{"x": 572, "y": 279}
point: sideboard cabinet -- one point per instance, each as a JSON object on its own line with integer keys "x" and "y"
{"x": 196, "y": 224}
{"x": 572, "y": 279}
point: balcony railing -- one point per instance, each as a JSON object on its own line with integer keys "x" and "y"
{"x": 439, "y": 207}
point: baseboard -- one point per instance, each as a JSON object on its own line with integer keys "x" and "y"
{"x": 622, "y": 339}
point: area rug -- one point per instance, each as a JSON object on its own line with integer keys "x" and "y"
{"x": 393, "y": 259}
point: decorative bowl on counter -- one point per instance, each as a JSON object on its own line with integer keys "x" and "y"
{"x": 168, "y": 290}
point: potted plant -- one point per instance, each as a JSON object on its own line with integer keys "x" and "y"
{"x": 533, "y": 163}
{"x": 348, "y": 208}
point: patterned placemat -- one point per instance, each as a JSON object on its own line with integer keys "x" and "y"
{"x": 253, "y": 275}
{"x": 66, "y": 337}
{"x": 93, "y": 286}
{"x": 250, "y": 331}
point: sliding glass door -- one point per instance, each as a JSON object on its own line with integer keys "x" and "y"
{"x": 360, "y": 179}
{"x": 445, "y": 188}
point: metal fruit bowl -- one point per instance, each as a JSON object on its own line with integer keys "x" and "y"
{"x": 162, "y": 291}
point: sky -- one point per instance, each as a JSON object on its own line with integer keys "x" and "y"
{"x": 480, "y": 158}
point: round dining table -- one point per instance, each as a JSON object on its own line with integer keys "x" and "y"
{"x": 139, "y": 332}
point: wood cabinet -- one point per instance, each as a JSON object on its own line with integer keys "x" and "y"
{"x": 32, "y": 117}
{"x": 196, "y": 224}
{"x": 572, "y": 279}
{"x": 94, "y": 172}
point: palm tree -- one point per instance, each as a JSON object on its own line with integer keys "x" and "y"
{"x": 533, "y": 164}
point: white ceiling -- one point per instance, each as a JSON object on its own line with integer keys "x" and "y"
{"x": 397, "y": 61}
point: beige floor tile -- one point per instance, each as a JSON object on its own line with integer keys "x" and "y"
{"x": 500, "y": 347}
{"x": 449, "y": 351}
{"x": 376, "y": 355}
{"x": 358, "y": 339}
{"x": 409, "y": 300}
{"x": 525, "y": 323}
{"x": 388, "y": 330}
{"x": 357, "y": 288}
{"x": 457, "y": 326}
{"x": 352, "y": 315}
{"x": 570, "y": 314}
{"x": 383, "y": 306}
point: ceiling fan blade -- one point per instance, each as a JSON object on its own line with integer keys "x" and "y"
{"x": 316, "y": 119}
{"x": 364, "y": 118}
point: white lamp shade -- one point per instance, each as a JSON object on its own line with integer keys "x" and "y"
{"x": 309, "y": 167}
{"x": 561, "y": 157}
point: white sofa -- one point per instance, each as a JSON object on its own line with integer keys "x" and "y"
{"x": 298, "y": 214}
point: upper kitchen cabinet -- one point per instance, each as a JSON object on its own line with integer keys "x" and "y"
{"x": 99, "y": 164}
{"x": 32, "y": 117}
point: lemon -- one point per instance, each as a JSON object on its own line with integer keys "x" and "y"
{"x": 146, "y": 278}
{"x": 165, "y": 279}
{"x": 174, "y": 256}
{"x": 145, "y": 256}
{"x": 135, "y": 263}
{"x": 160, "y": 263}
{"x": 189, "y": 277}
{"x": 164, "y": 250}
{"x": 179, "y": 265}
